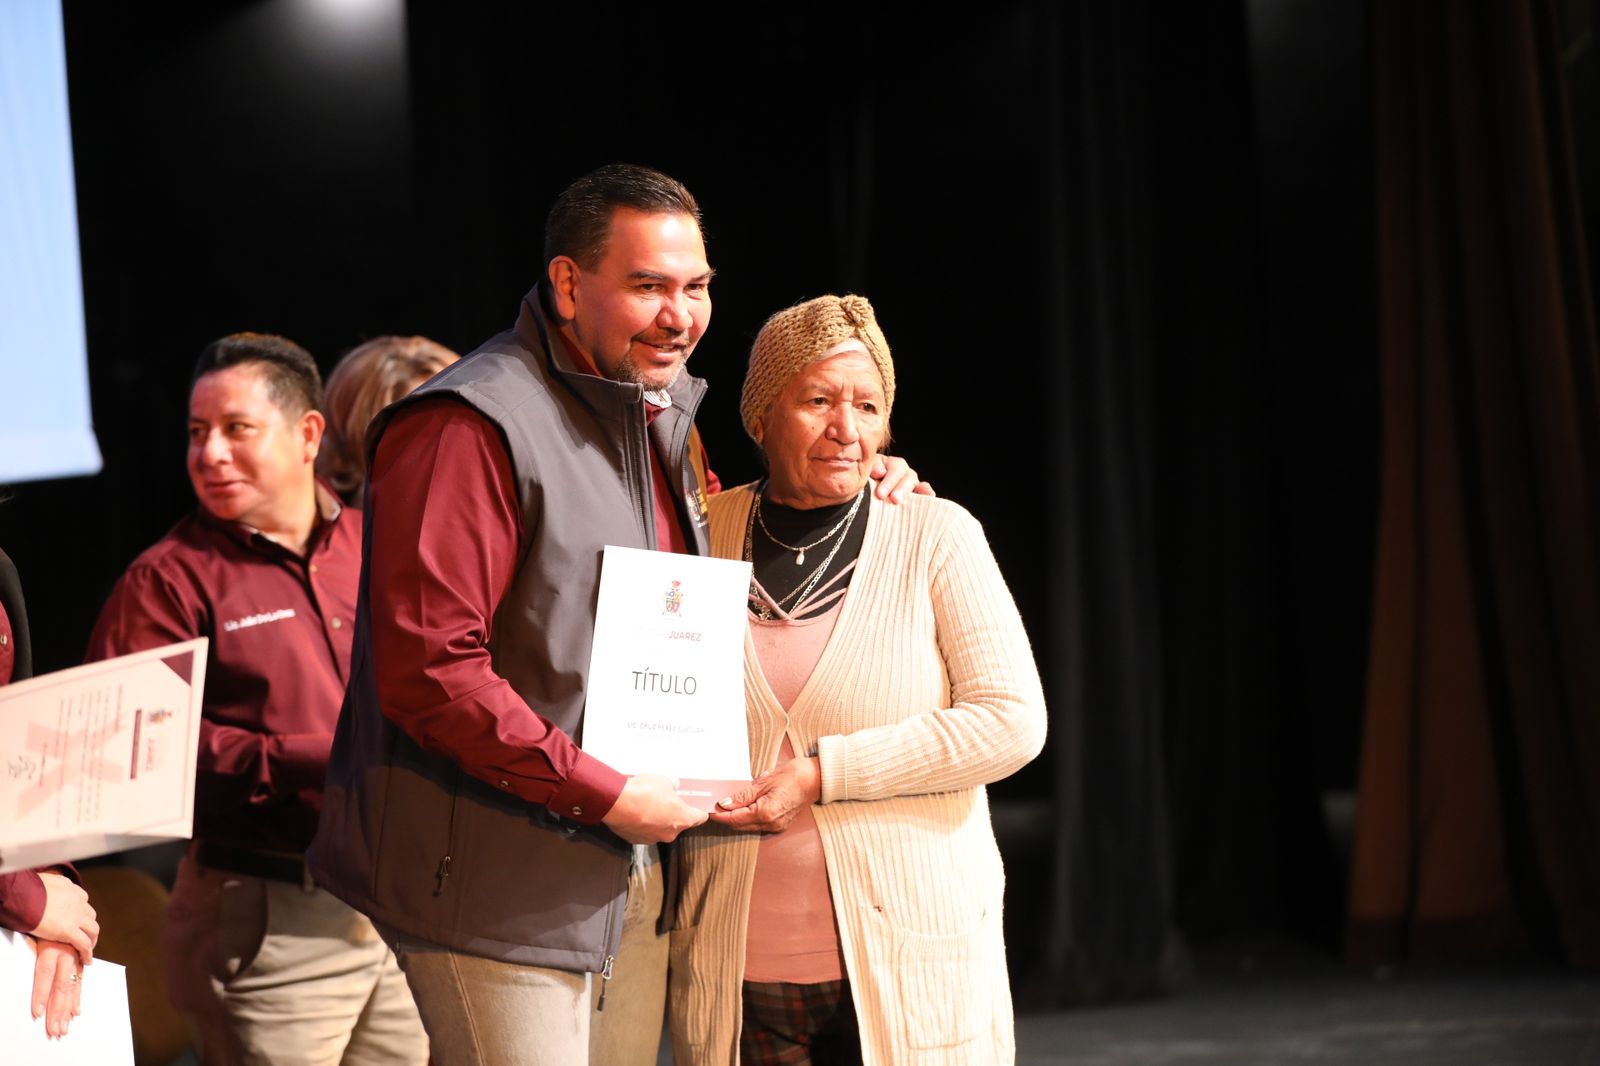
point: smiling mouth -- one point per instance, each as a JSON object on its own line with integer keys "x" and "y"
{"x": 672, "y": 348}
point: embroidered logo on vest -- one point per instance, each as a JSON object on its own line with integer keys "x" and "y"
{"x": 696, "y": 499}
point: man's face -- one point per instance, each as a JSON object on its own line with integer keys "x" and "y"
{"x": 249, "y": 462}
{"x": 642, "y": 309}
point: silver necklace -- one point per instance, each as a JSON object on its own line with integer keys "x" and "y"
{"x": 801, "y": 549}
{"x": 800, "y": 592}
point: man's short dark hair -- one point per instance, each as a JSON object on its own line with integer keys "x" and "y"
{"x": 580, "y": 220}
{"x": 292, "y": 378}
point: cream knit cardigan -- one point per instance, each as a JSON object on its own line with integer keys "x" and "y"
{"x": 926, "y": 691}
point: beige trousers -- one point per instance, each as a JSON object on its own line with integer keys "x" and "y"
{"x": 482, "y": 1011}
{"x": 268, "y": 972}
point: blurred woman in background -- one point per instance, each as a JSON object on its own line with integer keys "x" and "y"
{"x": 368, "y": 379}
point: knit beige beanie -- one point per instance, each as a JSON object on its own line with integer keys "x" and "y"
{"x": 798, "y": 336}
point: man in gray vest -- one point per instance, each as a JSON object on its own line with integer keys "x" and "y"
{"x": 514, "y": 874}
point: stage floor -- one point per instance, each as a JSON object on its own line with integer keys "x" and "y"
{"x": 1278, "y": 1004}
{"x": 1265, "y": 1005}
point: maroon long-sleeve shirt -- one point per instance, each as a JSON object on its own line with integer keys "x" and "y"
{"x": 280, "y": 628}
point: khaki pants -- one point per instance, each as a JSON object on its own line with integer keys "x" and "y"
{"x": 268, "y": 972}
{"x": 482, "y": 1011}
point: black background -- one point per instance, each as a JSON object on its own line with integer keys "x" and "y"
{"x": 253, "y": 166}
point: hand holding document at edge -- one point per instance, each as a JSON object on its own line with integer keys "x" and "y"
{"x": 63, "y": 943}
{"x": 57, "y": 988}
{"x": 770, "y": 802}
{"x": 650, "y": 811}
{"x": 77, "y": 1016}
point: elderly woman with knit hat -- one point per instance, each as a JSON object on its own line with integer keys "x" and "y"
{"x": 845, "y": 907}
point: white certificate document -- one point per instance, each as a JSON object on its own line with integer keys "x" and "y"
{"x": 666, "y": 678}
{"x": 101, "y": 757}
{"x": 101, "y": 1036}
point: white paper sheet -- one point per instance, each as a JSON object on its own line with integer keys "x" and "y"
{"x": 666, "y": 677}
{"x": 101, "y": 1035}
{"x": 100, "y": 757}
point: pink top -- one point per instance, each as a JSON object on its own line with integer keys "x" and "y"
{"x": 792, "y": 935}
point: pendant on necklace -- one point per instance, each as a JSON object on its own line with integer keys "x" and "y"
{"x": 800, "y": 558}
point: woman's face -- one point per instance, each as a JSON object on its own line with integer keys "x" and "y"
{"x": 821, "y": 435}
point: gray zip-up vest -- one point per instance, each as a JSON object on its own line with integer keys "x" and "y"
{"x": 408, "y": 837}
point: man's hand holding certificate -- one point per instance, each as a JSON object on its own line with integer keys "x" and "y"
{"x": 666, "y": 677}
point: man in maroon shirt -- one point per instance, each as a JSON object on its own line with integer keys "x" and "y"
{"x": 264, "y": 966}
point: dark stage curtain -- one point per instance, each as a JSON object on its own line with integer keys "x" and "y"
{"x": 1187, "y": 791}
{"x": 1110, "y": 930}
{"x": 1479, "y": 798}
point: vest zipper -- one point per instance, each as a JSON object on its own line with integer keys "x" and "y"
{"x": 605, "y": 981}
{"x": 643, "y": 485}
{"x": 443, "y": 871}
{"x": 611, "y": 960}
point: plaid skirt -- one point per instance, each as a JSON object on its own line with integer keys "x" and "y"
{"x": 799, "y": 1025}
